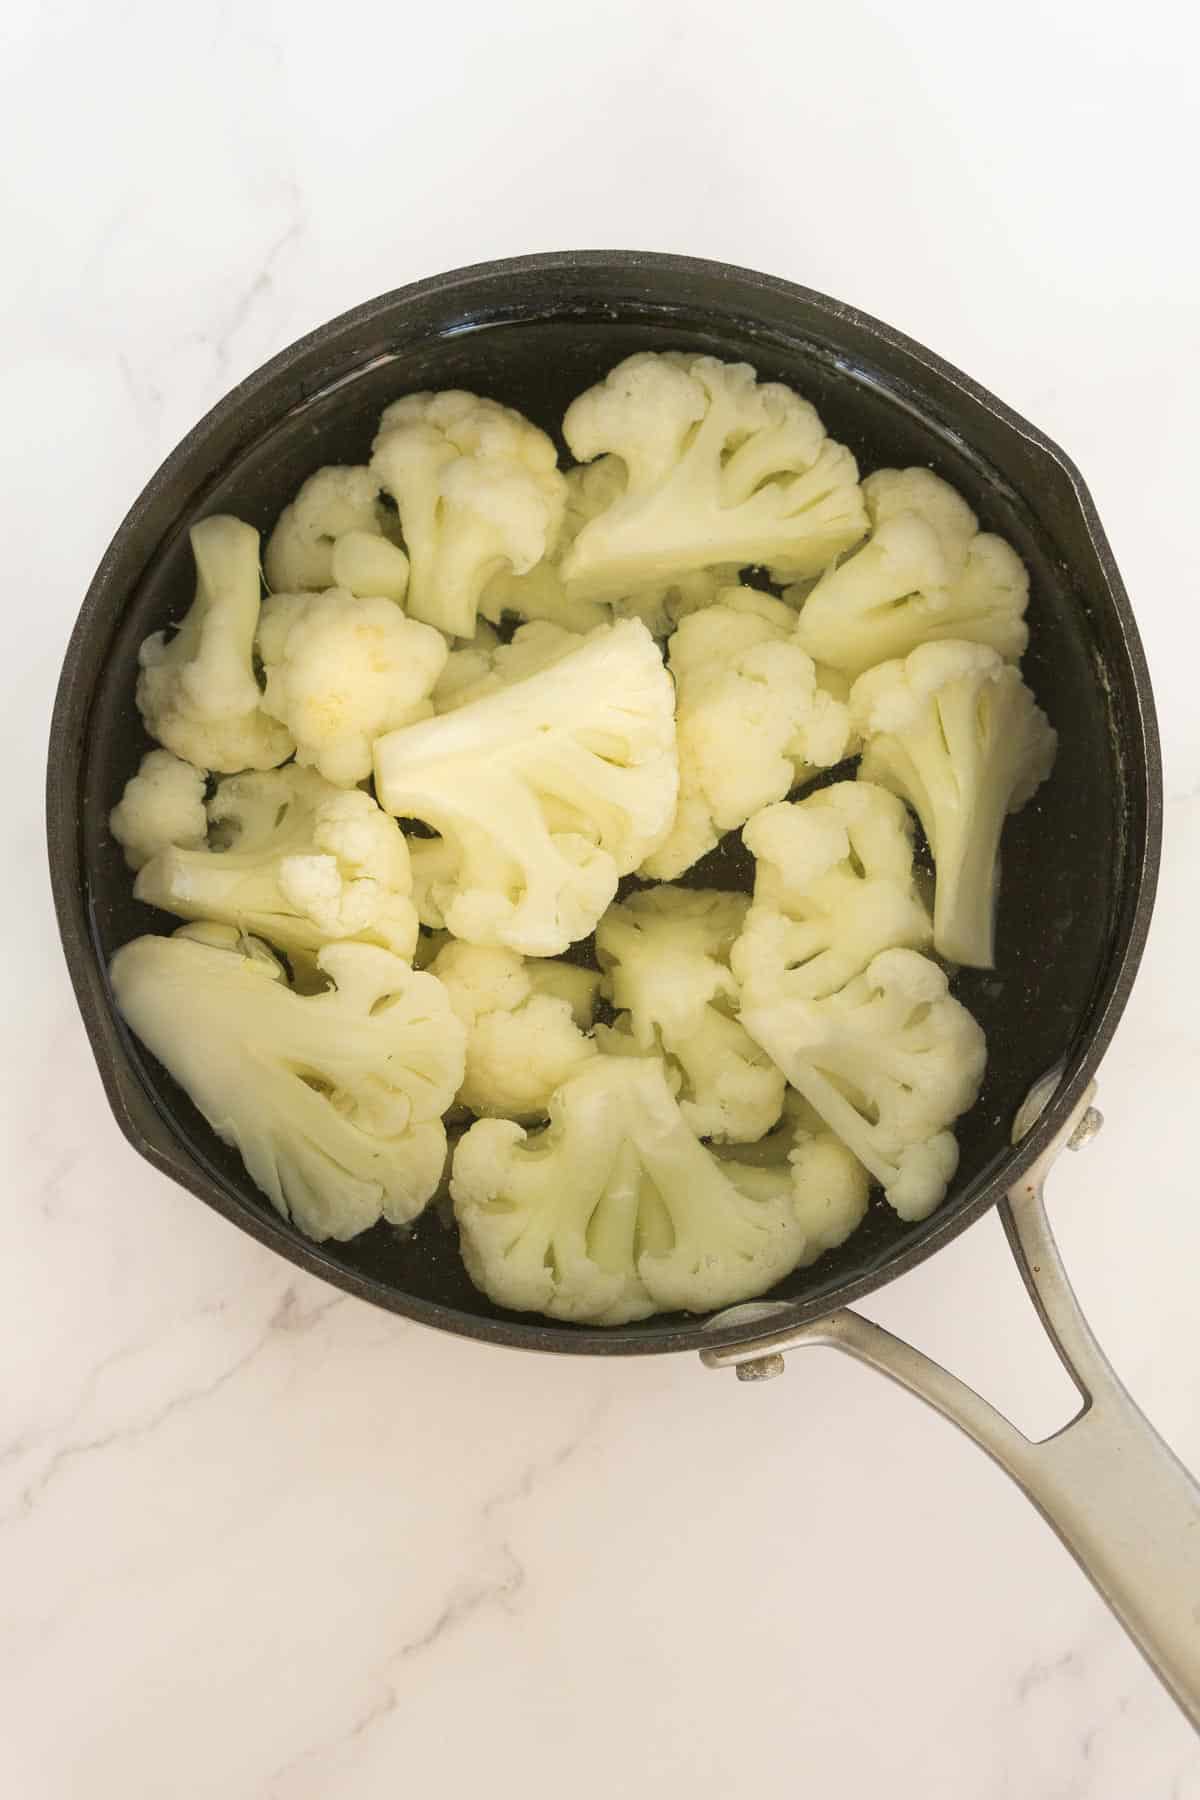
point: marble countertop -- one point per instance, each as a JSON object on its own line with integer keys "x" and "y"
{"x": 259, "y": 1540}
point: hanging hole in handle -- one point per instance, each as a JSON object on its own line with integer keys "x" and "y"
{"x": 969, "y": 1310}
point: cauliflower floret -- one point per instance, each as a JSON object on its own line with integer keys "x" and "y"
{"x": 889, "y": 1061}
{"x": 954, "y": 731}
{"x": 305, "y": 863}
{"x": 334, "y": 1100}
{"x": 830, "y": 1187}
{"x": 926, "y": 572}
{"x": 478, "y": 490}
{"x": 543, "y": 594}
{"x": 162, "y": 804}
{"x": 435, "y": 866}
{"x": 197, "y": 692}
{"x": 719, "y": 469}
{"x": 340, "y": 671}
{"x": 750, "y": 717}
{"x": 486, "y": 665}
{"x": 523, "y": 1040}
{"x": 366, "y": 564}
{"x": 469, "y": 663}
{"x": 661, "y": 610}
{"x": 834, "y": 991}
{"x": 540, "y": 593}
{"x": 617, "y": 1211}
{"x": 564, "y": 981}
{"x": 334, "y": 535}
{"x": 547, "y": 792}
{"x": 834, "y": 885}
{"x": 665, "y": 957}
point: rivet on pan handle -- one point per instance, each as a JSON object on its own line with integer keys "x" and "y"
{"x": 1122, "y": 1503}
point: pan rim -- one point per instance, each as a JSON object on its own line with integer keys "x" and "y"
{"x": 72, "y": 707}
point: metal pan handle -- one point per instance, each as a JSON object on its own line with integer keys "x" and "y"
{"x": 1117, "y": 1496}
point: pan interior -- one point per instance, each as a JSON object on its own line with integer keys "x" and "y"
{"x": 1063, "y": 858}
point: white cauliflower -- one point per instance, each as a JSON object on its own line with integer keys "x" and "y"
{"x": 543, "y": 594}
{"x": 720, "y": 469}
{"x": 367, "y": 565}
{"x": 467, "y": 664}
{"x": 162, "y": 804}
{"x": 523, "y": 1038}
{"x": 197, "y": 692}
{"x": 566, "y": 981}
{"x": 665, "y": 957}
{"x": 478, "y": 490}
{"x": 304, "y": 863}
{"x": 889, "y": 1061}
{"x": 435, "y": 866}
{"x": 834, "y": 885}
{"x": 486, "y": 665}
{"x": 925, "y": 573}
{"x": 617, "y": 1211}
{"x": 751, "y": 720}
{"x": 334, "y": 1100}
{"x": 546, "y": 792}
{"x": 954, "y": 731}
{"x": 591, "y": 489}
{"x": 834, "y": 991}
{"x": 334, "y": 534}
{"x": 830, "y": 1187}
{"x": 540, "y": 592}
{"x": 661, "y": 610}
{"x": 340, "y": 671}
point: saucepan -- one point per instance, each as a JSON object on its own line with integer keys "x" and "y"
{"x": 1079, "y": 865}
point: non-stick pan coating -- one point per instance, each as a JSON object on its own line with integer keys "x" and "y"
{"x": 1077, "y": 863}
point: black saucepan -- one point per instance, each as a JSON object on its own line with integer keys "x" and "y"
{"x": 1079, "y": 864}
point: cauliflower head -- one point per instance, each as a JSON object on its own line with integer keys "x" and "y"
{"x": 478, "y": 490}
{"x": 335, "y": 534}
{"x": 196, "y": 691}
{"x": 334, "y": 1100}
{"x": 834, "y": 885}
{"x": 523, "y": 1035}
{"x": 954, "y": 730}
{"x": 543, "y": 794}
{"x": 751, "y": 719}
{"x": 340, "y": 671}
{"x": 925, "y": 573}
{"x": 888, "y": 1061}
{"x": 665, "y": 957}
{"x": 163, "y": 804}
{"x": 617, "y": 1211}
{"x": 294, "y": 860}
{"x": 719, "y": 469}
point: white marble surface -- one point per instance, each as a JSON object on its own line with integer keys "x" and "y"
{"x": 259, "y": 1540}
